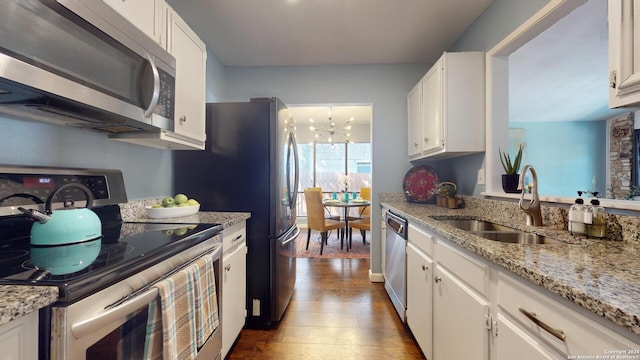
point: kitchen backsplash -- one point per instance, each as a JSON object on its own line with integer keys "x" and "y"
{"x": 619, "y": 227}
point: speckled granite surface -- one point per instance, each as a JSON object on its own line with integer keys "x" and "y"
{"x": 17, "y": 301}
{"x": 602, "y": 276}
{"x": 134, "y": 212}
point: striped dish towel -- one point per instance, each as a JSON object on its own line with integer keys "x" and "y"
{"x": 184, "y": 315}
{"x": 171, "y": 329}
{"x": 206, "y": 302}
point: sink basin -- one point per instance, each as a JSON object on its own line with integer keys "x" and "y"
{"x": 475, "y": 225}
{"x": 517, "y": 237}
{"x": 496, "y": 232}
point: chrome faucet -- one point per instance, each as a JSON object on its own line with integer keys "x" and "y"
{"x": 532, "y": 208}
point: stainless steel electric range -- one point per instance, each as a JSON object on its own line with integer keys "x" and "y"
{"x": 106, "y": 283}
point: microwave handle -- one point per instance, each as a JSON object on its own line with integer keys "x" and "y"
{"x": 121, "y": 311}
{"x": 156, "y": 87}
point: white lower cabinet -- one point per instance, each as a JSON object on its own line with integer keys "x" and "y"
{"x": 234, "y": 285}
{"x": 567, "y": 329}
{"x": 462, "y": 306}
{"x": 514, "y": 343}
{"x": 19, "y": 338}
{"x": 420, "y": 297}
{"x": 461, "y": 315}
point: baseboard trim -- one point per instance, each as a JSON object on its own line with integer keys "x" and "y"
{"x": 376, "y": 277}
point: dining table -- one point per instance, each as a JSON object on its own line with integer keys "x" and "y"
{"x": 346, "y": 205}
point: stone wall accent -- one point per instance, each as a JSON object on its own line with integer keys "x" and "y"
{"x": 620, "y": 156}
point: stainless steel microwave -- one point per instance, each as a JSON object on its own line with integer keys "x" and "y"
{"x": 80, "y": 63}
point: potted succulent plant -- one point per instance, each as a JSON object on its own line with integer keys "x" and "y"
{"x": 510, "y": 177}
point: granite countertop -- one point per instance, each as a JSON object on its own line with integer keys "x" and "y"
{"x": 20, "y": 300}
{"x": 602, "y": 276}
{"x": 226, "y": 219}
{"x": 17, "y": 301}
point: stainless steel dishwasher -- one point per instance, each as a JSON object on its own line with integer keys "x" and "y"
{"x": 395, "y": 268}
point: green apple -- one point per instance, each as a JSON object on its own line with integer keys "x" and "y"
{"x": 168, "y": 202}
{"x": 180, "y": 199}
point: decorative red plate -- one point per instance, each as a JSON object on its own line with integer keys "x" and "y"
{"x": 419, "y": 183}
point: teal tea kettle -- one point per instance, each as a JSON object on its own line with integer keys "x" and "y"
{"x": 69, "y": 225}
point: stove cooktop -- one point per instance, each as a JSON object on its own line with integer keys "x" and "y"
{"x": 79, "y": 270}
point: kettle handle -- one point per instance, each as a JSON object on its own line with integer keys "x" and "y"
{"x": 87, "y": 193}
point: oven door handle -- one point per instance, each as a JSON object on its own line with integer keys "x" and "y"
{"x": 121, "y": 311}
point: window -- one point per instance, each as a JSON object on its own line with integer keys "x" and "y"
{"x": 325, "y": 165}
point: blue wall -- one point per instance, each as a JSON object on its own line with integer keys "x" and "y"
{"x": 549, "y": 144}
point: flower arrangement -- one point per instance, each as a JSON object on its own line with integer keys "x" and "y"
{"x": 344, "y": 183}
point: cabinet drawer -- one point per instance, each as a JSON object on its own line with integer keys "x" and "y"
{"x": 471, "y": 270}
{"x": 420, "y": 239}
{"x": 233, "y": 236}
{"x": 583, "y": 335}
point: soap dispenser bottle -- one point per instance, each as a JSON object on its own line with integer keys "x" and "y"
{"x": 597, "y": 227}
{"x": 576, "y": 216}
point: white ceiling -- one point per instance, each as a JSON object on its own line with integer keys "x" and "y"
{"x": 328, "y": 32}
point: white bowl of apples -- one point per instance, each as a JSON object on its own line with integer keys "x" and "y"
{"x": 170, "y": 207}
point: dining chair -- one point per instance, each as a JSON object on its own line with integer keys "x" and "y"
{"x": 317, "y": 221}
{"x": 363, "y": 225}
{"x": 330, "y": 215}
{"x": 365, "y": 193}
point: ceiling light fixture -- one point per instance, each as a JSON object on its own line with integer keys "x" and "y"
{"x": 332, "y": 130}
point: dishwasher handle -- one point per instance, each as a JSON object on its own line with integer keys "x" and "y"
{"x": 396, "y": 224}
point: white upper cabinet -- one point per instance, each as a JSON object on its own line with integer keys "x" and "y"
{"x": 191, "y": 61}
{"x": 414, "y": 106}
{"x": 146, "y": 15}
{"x": 624, "y": 53}
{"x": 446, "y": 109}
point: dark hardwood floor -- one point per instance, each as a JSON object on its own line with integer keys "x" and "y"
{"x": 335, "y": 313}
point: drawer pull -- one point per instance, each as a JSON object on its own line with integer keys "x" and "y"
{"x": 228, "y": 267}
{"x": 424, "y": 268}
{"x": 532, "y": 316}
{"x": 437, "y": 279}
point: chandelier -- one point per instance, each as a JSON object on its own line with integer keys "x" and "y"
{"x": 331, "y": 129}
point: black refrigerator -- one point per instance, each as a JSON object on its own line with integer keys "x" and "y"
{"x": 250, "y": 164}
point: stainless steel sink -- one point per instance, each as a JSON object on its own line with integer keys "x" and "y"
{"x": 497, "y": 232}
{"x": 517, "y": 237}
{"x": 475, "y": 225}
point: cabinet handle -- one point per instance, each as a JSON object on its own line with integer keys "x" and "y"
{"x": 239, "y": 237}
{"x": 182, "y": 120}
{"x": 532, "y": 316}
{"x": 415, "y": 144}
{"x": 228, "y": 267}
{"x": 426, "y": 140}
{"x": 425, "y": 268}
{"x": 437, "y": 279}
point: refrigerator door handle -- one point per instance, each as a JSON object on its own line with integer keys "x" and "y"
{"x": 293, "y": 237}
{"x": 293, "y": 190}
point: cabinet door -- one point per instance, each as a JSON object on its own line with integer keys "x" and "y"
{"x": 234, "y": 292}
{"x": 18, "y": 338}
{"x": 414, "y": 115}
{"x": 420, "y": 298}
{"x": 146, "y": 15}
{"x": 513, "y": 343}
{"x": 432, "y": 114}
{"x": 191, "y": 57}
{"x": 461, "y": 319}
{"x": 624, "y": 52}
